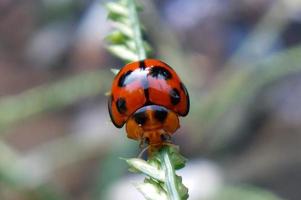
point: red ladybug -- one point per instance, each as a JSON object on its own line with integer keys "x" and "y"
{"x": 148, "y": 96}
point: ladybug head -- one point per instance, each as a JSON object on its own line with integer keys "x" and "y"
{"x": 152, "y": 124}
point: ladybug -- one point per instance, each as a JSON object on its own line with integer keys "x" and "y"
{"x": 148, "y": 96}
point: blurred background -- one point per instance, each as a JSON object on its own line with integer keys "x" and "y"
{"x": 241, "y": 63}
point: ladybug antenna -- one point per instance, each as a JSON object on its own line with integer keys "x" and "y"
{"x": 143, "y": 151}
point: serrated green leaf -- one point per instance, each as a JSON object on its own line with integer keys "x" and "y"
{"x": 117, "y": 8}
{"x": 177, "y": 159}
{"x": 124, "y": 29}
{"x": 146, "y": 168}
{"x": 152, "y": 181}
{"x": 171, "y": 180}
{"x": 115, "y": 71}
{"x": 158, "y": 184}
{"x": 183, "y": 191}
{"x": 125, "y": 21}
{"x": 123, "y": 52}
{"x": 154, "y": 162}
{"x": 114, "y": 17}
{"x": 131, "y": 45}
{"x": 119, "y": 18}
{"x": 152, "y": 191}
{"x": 116, "y": 37}
{"x": 124, "y": 15}
{"x": 133, "y": 170}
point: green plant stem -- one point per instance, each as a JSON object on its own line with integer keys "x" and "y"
{"x": 137, "y": 30}
{"x": 170, "y": 176}
{"x": 165, "y": 173}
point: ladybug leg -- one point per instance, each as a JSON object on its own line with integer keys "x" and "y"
{"x": 144, "y": 141}
{"x": 141, "y": 144}
{"x": 166, "y": 137}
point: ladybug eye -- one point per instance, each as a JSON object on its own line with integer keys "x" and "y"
{"x": 161, "y": 115}
{"x": 140, "y": 118}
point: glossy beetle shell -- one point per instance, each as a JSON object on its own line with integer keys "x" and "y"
{"x": 142, "y": 84}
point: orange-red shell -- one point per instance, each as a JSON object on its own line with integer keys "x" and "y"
{"x": 143, "y": 83}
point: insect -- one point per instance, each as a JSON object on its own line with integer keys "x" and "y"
{"x": 148, "y": 96}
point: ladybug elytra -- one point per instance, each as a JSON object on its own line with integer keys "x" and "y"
{"x": 148, "y": 96}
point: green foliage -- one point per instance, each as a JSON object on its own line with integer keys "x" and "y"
{"x": 51, "y": 96}
{"x": 126, "y": 40}
{"x": 161, "y": 182}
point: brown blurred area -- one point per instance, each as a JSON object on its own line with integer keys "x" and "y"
{"x": 66, "y": 147}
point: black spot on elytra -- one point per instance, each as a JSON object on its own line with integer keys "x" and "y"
{"x": 121, "y": 105}
{"x": 142, "y": 64}
{"x": 187, "y": 98}
{"x": 161, "y": 115}
{"x": 121, "y": 81}
{"x": 111, "y": 98}
{"x": 140, "y": 117}
{"x": 160, "y": 73}
{"x": 175, "y": 96}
